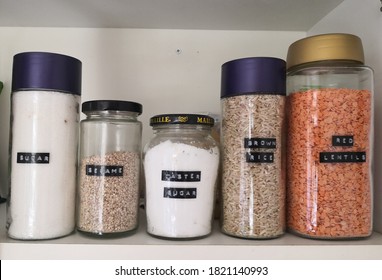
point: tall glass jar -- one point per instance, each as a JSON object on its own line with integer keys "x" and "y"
{"x": 253, "y": 125}
{"x": 46, "y": 94}
{"x": 109, "y": 168}
{"x": 181, "y": 165}
{"x": 330, "y": 138}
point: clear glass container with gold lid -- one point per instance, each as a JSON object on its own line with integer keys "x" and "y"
{"x": 330, "y": 122}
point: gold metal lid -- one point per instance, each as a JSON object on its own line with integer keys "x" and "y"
{"x": 335, "y": 46}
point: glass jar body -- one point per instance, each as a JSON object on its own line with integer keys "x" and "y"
{"x": 109, "y": 172}
{"x": 43, "y": 160}
{"x": 181, "y": 164}
{"x": 253, "y": 166}
{"x": 330, "y": 150}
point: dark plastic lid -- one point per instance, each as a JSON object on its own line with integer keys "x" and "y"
{"x": 46, "y": 71}
{"x": 262, "y": 75}
{"x": 111, "y": 105}
{"x": 181, "y": 119}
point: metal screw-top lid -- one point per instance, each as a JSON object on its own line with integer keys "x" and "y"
{"x": 194, "y": 119}
{"x": 46, "y": 71}
{"x": 334, "y": 46}
{"x": 111, "y": 105}
{"x": 263, "y": 75}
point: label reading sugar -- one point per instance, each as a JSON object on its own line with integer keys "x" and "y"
{"x": 269, "y": 143}
{"x": 104, "y": 170}
{"x": 183, "y": 193}
{"x": 342, "y": 157}
{"x": 344, "y": 141}
{"x": 181, "y": 176}
{"x": 39, "y": 158}
{"x": 258, "y": 157}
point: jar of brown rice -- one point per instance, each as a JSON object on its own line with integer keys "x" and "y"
{"x": 253, "y": 170}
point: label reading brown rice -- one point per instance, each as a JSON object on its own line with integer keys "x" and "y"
{"x": 269, "y": 143}
{"x": 257, "y": 157}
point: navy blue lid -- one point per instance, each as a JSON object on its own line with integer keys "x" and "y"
{"x": 46, "y": 71}
{"x": 261, "y": 75}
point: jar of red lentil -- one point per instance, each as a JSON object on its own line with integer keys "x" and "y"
{"x": 330, "y": 122}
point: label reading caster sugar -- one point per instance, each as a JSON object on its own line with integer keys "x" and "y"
{"x": 181, "y": 176}
{"x": 179, "y": 193}
{"x": 39, "y": 158}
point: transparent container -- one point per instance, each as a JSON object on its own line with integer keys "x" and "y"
{"x": 109, "y": 168}
{"x": 45, "y": 100}
{"x": 253, "y": 98}
{"x": 330, "y": 138}
{"x": 181, "y": 165}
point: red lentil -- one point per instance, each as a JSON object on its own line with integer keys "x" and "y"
{"x": 327, "y": 199}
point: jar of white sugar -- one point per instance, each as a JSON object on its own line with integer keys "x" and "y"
{"x": 181, "y": 165}
{"x": 46, "y": 89}
{"x": 109, "y": 172}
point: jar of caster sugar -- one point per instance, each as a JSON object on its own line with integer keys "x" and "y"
{"x": 181, "y": 165}
{"x": 330, "y": 138}
{"x": 109, "y": 171}
{"x": 45, "y": 100}
{"x": 253, "y": 162}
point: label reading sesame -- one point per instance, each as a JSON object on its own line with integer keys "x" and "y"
{"x": 181, "y": 176}
{"x": 104, "y": 170}
{"x": 183, "y": 193}
{"x": 342, "y": 157}
{"x": 257, "y": 157}
{"x": 39, "y": 158}
{"x": 344, "y": 141}
{"x": 269, "y": 143}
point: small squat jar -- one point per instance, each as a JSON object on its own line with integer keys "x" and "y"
{"x": 330, "y": 122}
{"x": 181, "y": 164}
{"x": 109, "y": 169}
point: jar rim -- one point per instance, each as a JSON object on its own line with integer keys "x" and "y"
{"x": 111, "y": 105}
{"x": 193, "y": 119}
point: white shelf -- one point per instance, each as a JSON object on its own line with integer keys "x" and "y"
{"x": 291, "y": 15}
{"x": 217, "y": 246}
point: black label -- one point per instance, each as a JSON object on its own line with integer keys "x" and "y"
{"x": 345, "y": 141}
{"x": 40, "y": 158}
{"x": 184, "y": 193}
{"x": 104, "y": 170}
{"x": 260, "y": 157}
{"x": 181, "y": 176}
{"x": 342, "y": 157}
{"x": 269, "y": 143}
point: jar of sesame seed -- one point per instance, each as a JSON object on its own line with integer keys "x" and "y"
{"x": 330, "y": 122}
{"x": 109, "y": 168}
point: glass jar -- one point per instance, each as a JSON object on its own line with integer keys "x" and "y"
{"x": 45, "y": 100}
{"x": 330, "y": 153}
{"x": 181, "y": 165}
{"x": 109, "y": 168}
{"x": 253, "y": 152}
